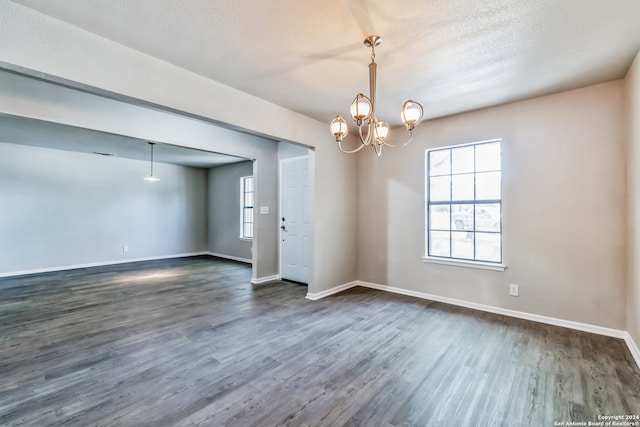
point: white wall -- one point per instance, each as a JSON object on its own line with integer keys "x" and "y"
{"x": 287, "y": 150}
{"x": 61, "y": 208}
{"x": 563, "y": 207}
{"x": 632, "y": 81}
{"x": 45, "y": 46}
{"x": 224, "y": 210}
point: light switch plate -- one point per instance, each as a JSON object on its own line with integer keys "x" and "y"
{"x": 264, "y": 210}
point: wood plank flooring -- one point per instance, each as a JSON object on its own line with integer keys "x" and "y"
{"x": 190, "y": 342}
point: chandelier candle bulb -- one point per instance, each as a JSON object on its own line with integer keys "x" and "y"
{"x": 382, "y": 130}
{"x": 363, "y": 112}
{"x": 360, "y": 109}
{"x": 411, "y": 114}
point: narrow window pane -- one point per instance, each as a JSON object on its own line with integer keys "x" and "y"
{"x": 462, "y": 159}
{"x": 440, "y": 217}
{"x": 488, "y": 186}
{"x": 462, "y": 187}
{"x": 440, "y": 189}
{"x": 462, "y": 244}
{"x": 488, "y": 247}
{"x": 488, "y": 157}
{"x": 488, "y": 217}
{"x": 246, "y": 208}
{"x": 440, "y": 162}
{"x": 439, "y": 244}
{"x": 462, "y": 217}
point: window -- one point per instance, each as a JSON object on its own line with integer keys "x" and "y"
{"x": 464, "y": 203}
{"x": 246, "y": 207}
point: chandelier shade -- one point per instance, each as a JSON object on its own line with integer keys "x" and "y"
{"x": 360, "y": 108}
{"x": 339, "y": 127}
{"x": 411, "y": 114}
{"x": 381, "y": 130}
{"x": 372, "y": 131}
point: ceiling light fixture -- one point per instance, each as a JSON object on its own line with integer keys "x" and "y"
{"x": 151, "y": 178}
{"x": 363, "y": 113}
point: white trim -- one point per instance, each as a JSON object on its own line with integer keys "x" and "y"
{"x": 585, "y": 327}
{"x": 334, "y": 290}
{"x": 600, "y": 330}
{"x": 452, "y": 261}
{"x": 633, "y": 348}
{"x": 260, "y": 280}
{"x": 465, "y": 263}
{"x": 98, "y": 264}
{"x": 231, "y": 257}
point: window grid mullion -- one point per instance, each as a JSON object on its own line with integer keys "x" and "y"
{"x": 475, "y": 201}
{"x": 450, "y": 201}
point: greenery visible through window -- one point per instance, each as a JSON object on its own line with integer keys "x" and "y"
{"x": 246, "y": 207}
{"x": 464, "y": 202}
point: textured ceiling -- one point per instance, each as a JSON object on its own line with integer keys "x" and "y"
{"x": 450, "y": 55}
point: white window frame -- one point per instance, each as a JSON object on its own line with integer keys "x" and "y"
{"x": 244, "y": 234}
{"x": 461, "y": 262}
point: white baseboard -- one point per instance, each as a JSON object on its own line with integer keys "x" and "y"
{"x": 633, "y": 347}
{"x": 600, "y": 330}
{"x": 98, "y": 264}
{"x": 334, "y": 290}
{"x": 259, "y": 280}
{"x": 231, "y": 257}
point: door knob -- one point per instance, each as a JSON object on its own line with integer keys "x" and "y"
{"x": 283, "y": 228}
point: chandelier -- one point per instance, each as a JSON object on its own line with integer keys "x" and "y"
{"x": 373, "y": 132}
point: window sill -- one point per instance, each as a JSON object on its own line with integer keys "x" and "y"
{"x": 468, "y": 264}
{"x": 245, "y": 239}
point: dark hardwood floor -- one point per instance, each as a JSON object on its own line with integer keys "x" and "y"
{"x": 191, "y": 342}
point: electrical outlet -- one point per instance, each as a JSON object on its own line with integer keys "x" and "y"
{"x": 125, "y": 248}
{"x": 513, "y": 290}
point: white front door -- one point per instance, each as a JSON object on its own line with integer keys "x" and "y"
{"x": 294, "y": 219}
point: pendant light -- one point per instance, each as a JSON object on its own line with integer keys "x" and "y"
{"x": 151, "y": 178}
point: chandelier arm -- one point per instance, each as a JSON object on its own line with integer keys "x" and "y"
{"x": 349, "y": 151}
{"x": 367, "y": 140}
{"x": 400, "y": 145}
{"x": 377, "y": 148}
